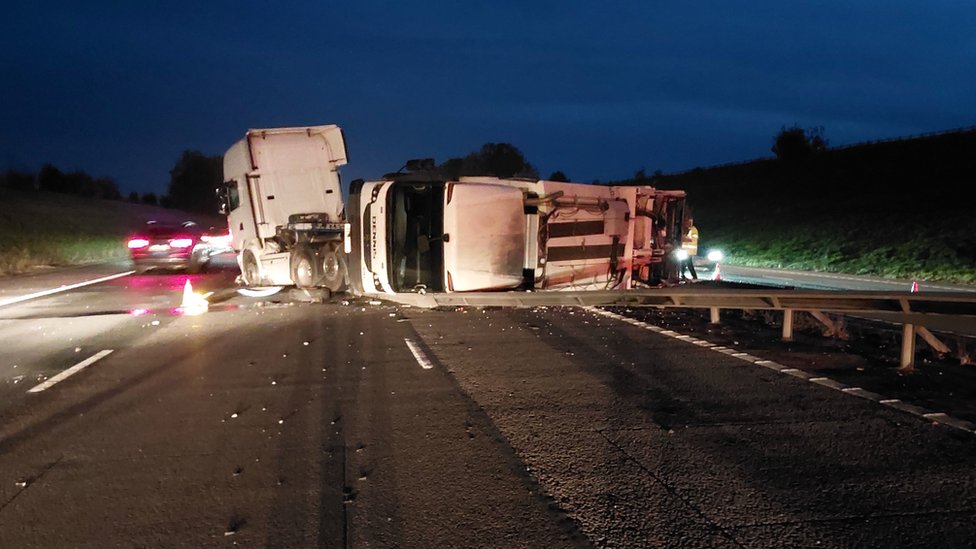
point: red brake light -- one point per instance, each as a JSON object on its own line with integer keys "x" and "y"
{"x": 138, "y": 242}
{"x": 181, "y": 242}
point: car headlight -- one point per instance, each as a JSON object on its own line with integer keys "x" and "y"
{"x": 681, "y": 254}
{"x": 715, "y": 255}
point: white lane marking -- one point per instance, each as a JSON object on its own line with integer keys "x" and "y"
{"x": 418, "y": 354}
{"x": 18, "y": 299}
{"x": 72, "y": 370}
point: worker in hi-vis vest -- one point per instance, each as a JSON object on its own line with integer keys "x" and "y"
{"x": 689, "y": 243}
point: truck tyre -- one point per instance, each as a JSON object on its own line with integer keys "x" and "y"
{"x": 306, "y": 269}
{"x": 249, "y": 269}
{"x": 333, "y": 268}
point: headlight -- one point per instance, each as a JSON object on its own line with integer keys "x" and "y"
{"x": 715, "y": 255}
{"x": 681, "y": 254}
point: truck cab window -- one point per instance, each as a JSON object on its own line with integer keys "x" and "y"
{"x": 416, "y": 254}
{"x": 233, "y": 196}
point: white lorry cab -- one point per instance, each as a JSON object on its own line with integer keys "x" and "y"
{"x": 415, "y": 232}
{"x": 283, "y": 200}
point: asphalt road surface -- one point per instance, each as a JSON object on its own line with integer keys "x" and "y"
{"x": 274, "y": 423}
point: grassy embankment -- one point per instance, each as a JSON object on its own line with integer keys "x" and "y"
{"x": 41, "y": 229}
{"x": 902, "y": 209}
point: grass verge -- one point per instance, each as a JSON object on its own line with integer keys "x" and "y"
{"x": 52, "y": 230}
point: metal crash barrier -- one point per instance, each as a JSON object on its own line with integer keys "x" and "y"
{"x": 918, "y": 313}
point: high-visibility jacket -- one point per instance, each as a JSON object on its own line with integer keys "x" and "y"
{"x": 690, "y": 242}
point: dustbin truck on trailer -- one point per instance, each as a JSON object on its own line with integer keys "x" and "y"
{"x": 283, "y": 200}
{"x": 417, "y": 232}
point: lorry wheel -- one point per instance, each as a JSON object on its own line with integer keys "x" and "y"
{"x": 249, "y": 269}
{"x": 333, "y": 268}
{"x": 305, "y": 267}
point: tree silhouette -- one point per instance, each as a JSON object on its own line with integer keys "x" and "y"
{"x": 77, "y": 182}
{"x": 498, "y": 159}
{"x": 193, "y": 180}
{"x": 17, "y": 180}
{"x": 504, "y": 160}
{"x": 559, "y": 176}
{"x": 795, "y": 144}
{"x": 51, "y": 179}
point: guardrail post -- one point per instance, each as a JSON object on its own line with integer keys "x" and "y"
{"x": 714, "y": 315}
{"x": 907, "y": 363}
{"x": 787, "y": 324}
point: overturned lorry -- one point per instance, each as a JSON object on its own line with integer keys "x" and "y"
{"x": 417, "y": 232}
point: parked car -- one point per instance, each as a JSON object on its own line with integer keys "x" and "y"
{"x": 175, "y": 246}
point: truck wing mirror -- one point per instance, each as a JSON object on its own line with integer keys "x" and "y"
{"x": 221, "y": 192}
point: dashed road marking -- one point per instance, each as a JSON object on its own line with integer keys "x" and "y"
{"x": 71, "y": 371}
{"x": 771, "y": 365}
{"x": 418, "y": 354}
{"x": 935, "y": 417}
{"x": 827, "y": 382}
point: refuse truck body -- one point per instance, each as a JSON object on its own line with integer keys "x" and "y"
{"x": 416, "y": 232}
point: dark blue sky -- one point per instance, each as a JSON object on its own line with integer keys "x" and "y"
{"x": 596, "y": 89}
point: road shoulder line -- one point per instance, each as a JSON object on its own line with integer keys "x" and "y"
{"x": 59, "y": 289}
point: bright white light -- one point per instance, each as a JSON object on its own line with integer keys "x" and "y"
{"x": 137, "y": 243}
{"x": 681, "y": 254}
{"x": 217, "y": 240}
{"x": 715, "y": 255}
{"x": 181, "y": 242}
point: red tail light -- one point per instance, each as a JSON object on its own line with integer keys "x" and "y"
{"x": 138, "y": 242}
{"x": 181, "y": 242}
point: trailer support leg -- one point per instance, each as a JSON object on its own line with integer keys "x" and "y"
{"x": 907, "y": 363}
{"x": 787, "y": 324}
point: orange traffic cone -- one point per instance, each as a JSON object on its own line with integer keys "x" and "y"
{"x": 717, "y": 275}
{"x": 193, "y": 303}
{"x": 914, "y": 286}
